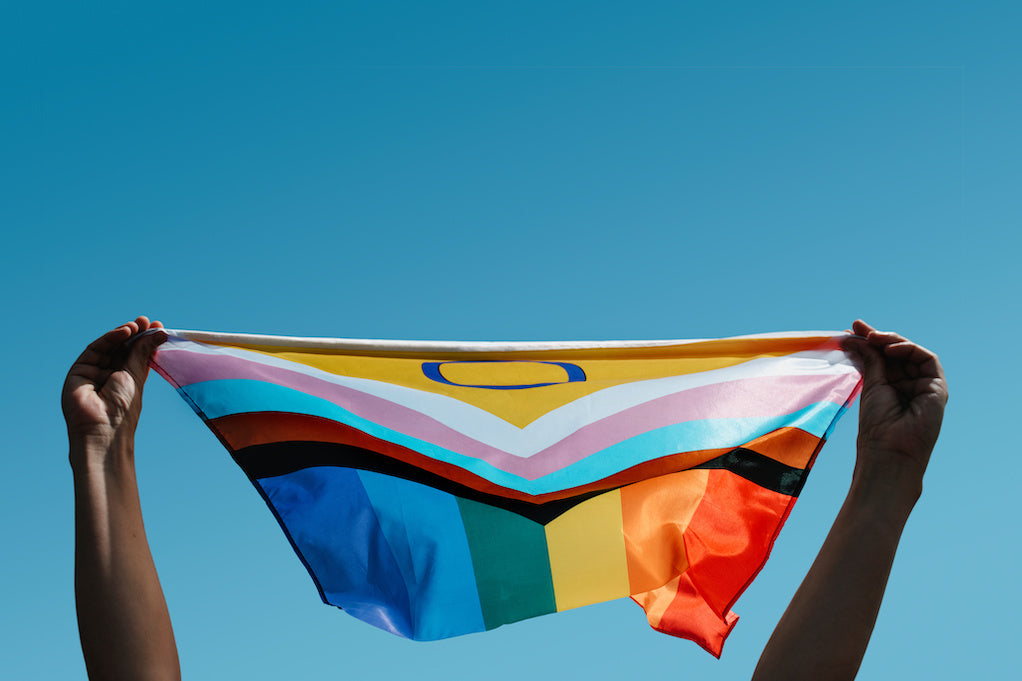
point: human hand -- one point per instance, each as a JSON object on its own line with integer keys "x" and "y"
{"x": 903, "y": 398}
{"x": 102, "y": 395}
{"x": 826, "y": 628}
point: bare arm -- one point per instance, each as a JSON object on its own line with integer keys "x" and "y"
{"x": 826, "y": 628}
{"x": 123, "y": 620}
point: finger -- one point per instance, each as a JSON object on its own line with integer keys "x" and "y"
{"x": 882, "y": 338}
{"x": 869, "y": 358}
{"x": 925, "y": 361}
{"x": 157, "y": 338}
{"x": 103, "y": 347}
{"x": 145, "y": 328}
{"x": 874, "y": 335}
{"x": 141, "y": 351}
{"x": 861, "y": 328}
{"x": 89, "y": 372}
{"x": 909, "y": 349}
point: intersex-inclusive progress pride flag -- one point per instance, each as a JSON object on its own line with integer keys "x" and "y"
{"x": 435, "y": 488}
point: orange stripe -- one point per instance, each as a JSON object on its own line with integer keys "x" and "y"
{"x": 788, "y": 445}
{"x": 656, "y": 601}
{"x": 256, "y": 428}
{"x": 654, "y": 515}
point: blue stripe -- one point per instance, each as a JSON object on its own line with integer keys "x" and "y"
{"x": 424, "y": 529}
{"x": 233, "y": 396}
{"x": 332, "y": 524}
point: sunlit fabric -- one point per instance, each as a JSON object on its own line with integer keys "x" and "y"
{"x": 439, "y": 489}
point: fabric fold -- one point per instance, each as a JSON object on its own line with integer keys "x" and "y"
{"x": 438, "y": 489}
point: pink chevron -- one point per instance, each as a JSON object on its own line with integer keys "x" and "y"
{"x": 751, "y": 397}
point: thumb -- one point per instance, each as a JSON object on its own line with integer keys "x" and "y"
{"x": 867, "y": 357}
{"x": 142, "y": 350}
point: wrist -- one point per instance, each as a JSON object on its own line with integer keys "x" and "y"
{"x": 105, "y": 451}
{"x": 886, "y": 484}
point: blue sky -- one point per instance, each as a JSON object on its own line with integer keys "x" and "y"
{"x": 529, "y": 171}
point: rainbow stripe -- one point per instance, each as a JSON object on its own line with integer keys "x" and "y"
{"x": 439, "y": 489}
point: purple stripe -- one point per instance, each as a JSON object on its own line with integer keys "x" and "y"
{"x": 751, "y": 397}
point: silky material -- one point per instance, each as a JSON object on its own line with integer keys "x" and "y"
{"x": 435, "y": 489}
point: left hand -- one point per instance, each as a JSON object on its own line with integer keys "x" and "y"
{"x": 102, "y": 395}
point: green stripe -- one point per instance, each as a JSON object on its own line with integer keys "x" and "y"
{"x": 511, "y": 563}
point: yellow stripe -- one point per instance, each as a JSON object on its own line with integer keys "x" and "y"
{"x": 587, "y": 553}
{"x": 518, "y": 407}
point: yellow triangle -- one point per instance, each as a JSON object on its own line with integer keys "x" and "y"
{"x": 602, "y": 369}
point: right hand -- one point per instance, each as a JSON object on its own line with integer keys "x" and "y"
{"x": 903, "y": 398}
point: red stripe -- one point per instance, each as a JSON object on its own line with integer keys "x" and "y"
{"x": 242, "y": 430}
{"x": 727, "y": 542}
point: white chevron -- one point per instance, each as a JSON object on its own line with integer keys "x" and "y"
{"x": 490, "y": 429}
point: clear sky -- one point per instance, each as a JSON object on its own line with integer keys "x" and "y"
{"x": 528, "y": 170}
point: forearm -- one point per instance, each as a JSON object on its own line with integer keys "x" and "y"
{"x": 123, "y": 620}
{"x": 826, "y": 628}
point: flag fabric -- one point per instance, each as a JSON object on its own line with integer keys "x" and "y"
{"x": 435, "y": 489}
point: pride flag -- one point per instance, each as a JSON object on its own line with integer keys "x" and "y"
{"x": 438, "y": 489}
